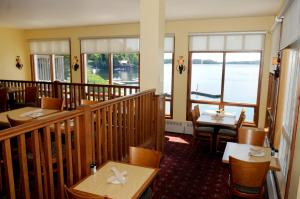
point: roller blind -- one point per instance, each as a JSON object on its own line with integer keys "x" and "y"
{"x": 227, "y": 42}
{"x": 169, "y": 45}
{"x": 61, "y": 47}
{"x": 110, "y": 45}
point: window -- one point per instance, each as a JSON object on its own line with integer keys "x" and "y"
{"x": 51, "y": 60}
{"x": 225, "y": 73}
{"x": 111, "y": 61}
{"x": 168, "y": 76}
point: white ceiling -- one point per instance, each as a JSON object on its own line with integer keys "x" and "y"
{"x": 57, "y": 13}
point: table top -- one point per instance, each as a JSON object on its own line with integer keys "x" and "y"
{"x": 138, "y": 179}
{"x": 212, "y": 118}
{"x": 26, "y": 113}
{"x": 241, "y": 152}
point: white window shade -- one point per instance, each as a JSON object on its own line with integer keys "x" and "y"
{"x": 227, "y": 42}
{"x": 169, "y": 44}
{"x": 61, "y": 47}
{"x": 112, "y": 45}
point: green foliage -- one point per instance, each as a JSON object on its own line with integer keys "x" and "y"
{"x": 95, "y": 78}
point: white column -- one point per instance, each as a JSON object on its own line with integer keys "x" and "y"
{"x": 152, "y": 31}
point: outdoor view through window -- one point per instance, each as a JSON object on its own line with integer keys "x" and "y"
{"x": 240, "y": 87}
{"x": 124, "y": 68}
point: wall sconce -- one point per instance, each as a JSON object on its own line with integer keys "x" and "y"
{"x": 276, "y": 61}
{"x": 180, "y": 67}
{"x": 75, "y": 63}
{"x": 19, "y": 65}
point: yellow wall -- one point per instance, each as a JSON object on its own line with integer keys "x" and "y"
{"x": 12, "y": 44}
{"x": 180, "y": 29}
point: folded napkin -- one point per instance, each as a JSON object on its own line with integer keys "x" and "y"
{"x": 118, "y": 177}
{"x": 257, "y": 152}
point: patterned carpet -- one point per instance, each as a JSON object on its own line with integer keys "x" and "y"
{"x": 191, "y": 172}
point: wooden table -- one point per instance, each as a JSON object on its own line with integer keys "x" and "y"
{"x": 25, "y": 113}
{"x": 212, "y": 118}
{"x": 138, "y": 179}
{"x": 241, "y": 152}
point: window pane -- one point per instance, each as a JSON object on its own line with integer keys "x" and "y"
{"x": 168, "y": 108}
{"x": 236, "y": 110}
{"x": 125, "y": 69}
{"x": 168, "y": 60}
{"x": 97, "y": 68}
{"x": 61, "y": 70}
{"x": 206, "y": 76}
{"x": 42, "y": 67}
{"x": 206, "y": 107}
{"x": 241, "y": 77}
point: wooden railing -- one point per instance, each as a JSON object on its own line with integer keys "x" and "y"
{"x": 95, "y": 133}
{"x": 71, "y": 92}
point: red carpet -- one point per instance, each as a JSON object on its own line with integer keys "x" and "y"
{"x": 191, "y": 172}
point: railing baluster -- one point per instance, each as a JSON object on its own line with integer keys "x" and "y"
{"x": 23, "y": 166}
{"x": 69, "y": 153}
{"x": 9, "y": 168}
{"x": 104, "y": 134}
{"x": 59, "y": 157}
{"x": 48, "y": 161}
{"x": 77, "y": 157}
{"x": 37, "y": 163}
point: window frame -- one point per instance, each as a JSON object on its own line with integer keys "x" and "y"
{"x": 110, "y": 66}
{"x": 51, "y": 58}
{"x": 221, "y": 104}
{"x": 172, "y": 89}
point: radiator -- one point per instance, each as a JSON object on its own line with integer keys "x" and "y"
{"x": 179, "y": 127}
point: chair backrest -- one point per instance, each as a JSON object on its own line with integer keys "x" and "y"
{"x": 88, "y": 102}
{"x": 197, "y": 110}
{"x": 248, "y": 174}
{"x": 52, "y": 103}
{"x": 144, "y": 157}
{"x": 75, "y": 194}
{"x": 31, "y": 95}
{"x": 241, "y": 119}
{"x": 3, "y": 98}
{"x": 251, "y": 136}
{"x": 14, "y": 122}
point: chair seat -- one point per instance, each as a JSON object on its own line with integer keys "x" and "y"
{"x": 248, "y": 190}
{"x": 227, "y": 132}
{"x": 204, "y": 129}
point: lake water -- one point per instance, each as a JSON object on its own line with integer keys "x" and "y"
{"x": 241, "y": 83}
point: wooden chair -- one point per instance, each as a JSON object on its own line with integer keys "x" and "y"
{"x": 3, "y": 99}
{"x": 52, "y": 103}
{"x": 247, "y": 178}
{"x": 31, "y": 96}
{"x": 144, "y": 157}
{"x": 251, "y": 136}
{"x": 227, "y": 135}
{"x": 197, "y": 110}
{"x": 202, "y": 132}
{"x": 88, "y": 102}
{"x": 75, "y": 194}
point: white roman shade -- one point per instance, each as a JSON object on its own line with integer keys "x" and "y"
{"x": 169, "y": 45}
{"x": 291, "y": 24}
{"x": 110, "y": 45}
{"x": 60, "y": 47}
{"x": 226, "y": 42}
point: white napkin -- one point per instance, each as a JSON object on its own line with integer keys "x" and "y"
{"x": 118, "y": 177}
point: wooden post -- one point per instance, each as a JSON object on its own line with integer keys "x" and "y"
{"x": 159, "y": 121}
{"x": 86, "y": 141}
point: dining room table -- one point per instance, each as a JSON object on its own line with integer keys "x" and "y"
{"x": 250, "y": 153}
{"x": 136, "y": 180}
{"x": 217, "y": 120}
{"x": 25, "y": 113}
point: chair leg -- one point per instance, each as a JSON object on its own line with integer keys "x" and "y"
{"x": 217, "y": 143}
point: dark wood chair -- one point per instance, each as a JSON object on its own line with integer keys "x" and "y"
{"x": 52, "y": 103}
{"x": 247, "y": 178}
{"x": 201, "y": 132}
{"x": 144, "y": 157}
{"x": 230, "y": 135}
{"x": 3, "y": 99}
{"x": 251, "y": 136}
{"x": 76, "y": 194}
{"x": 31, "y": 98}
